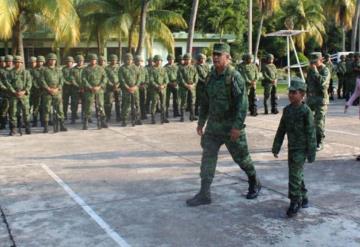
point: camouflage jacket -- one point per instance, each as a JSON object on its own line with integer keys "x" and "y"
{"x": 128, "y": 76}
{"x": 298, "y": 123}
{"x": 224, "y": 103}
{"x": 187, "y": 75}
{"x": 249, "y": 71}
{"x": 341, "y": 69}
{"x": 172, "y": 71}
{"x": 19, "y": 80}
{"x": 203, "y": 71}
{"x": 269, "y": 73}
{"x": 51, "y": 78}
{"x": 143, "y": 75}
{"x": 93, "y": 77}
{"x": 158, "y": 77}
{"x": 318, "y": 81}
{"x": 67, "y": 75}
{"x": 76, "y": 76}
{"x": 112, "y": 73}
{"x": 36, "y": 77}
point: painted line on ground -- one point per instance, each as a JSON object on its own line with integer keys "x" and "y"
{"x": 114, "y": 235}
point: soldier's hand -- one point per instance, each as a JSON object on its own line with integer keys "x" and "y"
{"x": 234, "y": 134}
{"x": 199, "y": 130}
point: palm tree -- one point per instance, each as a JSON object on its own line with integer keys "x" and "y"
{"x": 306, "y": 15}
{"x": 344, "y": 12}
{"x": 224, "y": 21}
{"x": 191, "y": 31}
{"x": 267, "y": 8}
{"x": 18, "y": 16}
{"x": 355, "y": 24}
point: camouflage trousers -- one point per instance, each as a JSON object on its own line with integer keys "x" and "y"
{"x": 4, "y": 105}
{"x": 157, "y": 98}
{"x": 200, "y": 88}
{"x": 53, "y": 101}
{"x": 296, "y": 160}
{"x": 174, "y": 92}
{"x": 238, "y": 149}
{"x": 143, "y": 97}
{"x": 17, "y": 104}
{"x": 270, "y": 92}
{"x": 110, "y": 97}
{"x": 130, "y": 102}
{"x": 252, "y": 100}
{"x": 89, "y": 100}
{"x": 319, "y": 111}
{"x": 187, "y": 97}
{"x": 35, "y": 101}
{"x": 71, "y": 94}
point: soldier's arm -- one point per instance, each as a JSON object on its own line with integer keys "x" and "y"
{"x": 42, "y": 81}
{"x": 104, "y": 80}
{"x": 8, "y": 85}
{"x": 28, "y": 82}
{"x": 323, "y": 77}
{"x": 240, "y": 99}
{"x": 73, "y": 78}
{"x": 85, "y": 81}
{"x": 310, "y": 133}
{"x": 66, "y": 80}
{"x": 266, "y": 74}
{"x": 110, "y": 77}
{"x": 180, "y": 77}
{"x": 196, "y": 77}
{"x": 279, "y": 137}
{"x": 204, "y": 109}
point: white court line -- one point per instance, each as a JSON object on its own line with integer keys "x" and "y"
{"x": 116, "y": 237}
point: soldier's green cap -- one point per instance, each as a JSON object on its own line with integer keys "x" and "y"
{"x": 32, "y": 59}
{"x": 2, "y": 59}
{"x": 269, "y": 56}
{"x": 40, "y": 59}
{"x": 157, "y": 58}
{"x": 92, "y": 57}
{"x": 102, "y": 58}
{"x": 79, "y": 58}
{"x": 247, "y": 56}
{"x": 51, "y": 56}
{"x": 200, "y": 56}
{"x": 69, "y": 59}
{"x": 170, "y": 56}
{"x": 18, "y": 59}
{"x": 315, "y": 56}
{"x": 9, "y": 58}
{"x": 113, "y": 57}
{"x": 297, "y": 84}
{"x": 138, "y": 58}
{"x": 221, "y": 48}
{"x": 128, "y": 56}
{"x": 187, "y": 56}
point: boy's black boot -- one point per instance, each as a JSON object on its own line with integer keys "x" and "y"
{"x": 254, "y": 187}
{"x": 201, "y": 198}
{"x": 293, "y": 208}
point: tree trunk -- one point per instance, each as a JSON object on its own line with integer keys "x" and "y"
{"x": 355, "y": 25}
{"x": 250, "y": 27}
{"x": 98, "y": 41}
{"x": 343, "y": 39}
{"x": 131, "y": 31}
{"x": 258, "y": 38}
{"x": 120, "y": 50}
{"x": 6, "y": 47}
{"x": 17, "y": 40}
{"x": 193, "y": 16}
{"x": 144, "y": 8}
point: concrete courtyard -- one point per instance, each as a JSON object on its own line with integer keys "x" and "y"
{"x": 128, "y": 186}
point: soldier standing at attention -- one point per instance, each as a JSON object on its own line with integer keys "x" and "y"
{"x": 112, "y": 92}
{"x": 129, "y": 82}
{"x": 143, "y": 85}
{"x": 67, "y": 88}
{"x": 148, "y": 69}
{"x": 223, "y": 110}
{"x": 158, "y": 79}
{"x": 32, "y": 64}
{"x": 4, "y": 107}
{"x": 172, "y": 87}
{"x": 94, "y": 82}
{"x": 18, "y": 84}
{"x": 187, "y": 79}
{"x": 37, "y": 92}
{"x": 297, "y": 123}
{"x": 52, "y": 82}
{"x": 203, "y": 70}
{"x": 269, "y": 83}
{"x": 341, "y": 73}
{"x": 102, "y": 61}
{"x": 76, "y": 93}
{"x": 251, "y": 74}
{"x": 318, "y": 79}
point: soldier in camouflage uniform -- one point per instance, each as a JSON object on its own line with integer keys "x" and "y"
{"x": 18, "y": 84}
{"x": 129, "y": 82}
{"x": 223, "y": 110}
{"x": 4, "y": 106}
{"x": 143, "y": 85}
{"x": 102, "y": 61}
{"x": 350, "y": 76}
{"x": 76, "y": 83}
{"x": 341, "y": 73}
{"x": 158, "y": 79}
{"x": 172, "y": 87}
{"x": 94, "y": 82}
{"x": 52, "y": 82}
{"x": 112, "y": 92}
{"x": 187, "y": 78}
{"x": 67, "y": 88}
{"x": 332, "y": 85}
{"x": 37, "y": 91}
{"x": 297, "y": 123}
{"x": 269, "y": 83}
{"x": 318, "y": 79}
{"x": 32, "y": 64}
{"x": 251, "y": 74}
{"x": 203, "y": 70}
{"x": 148, "y": 69}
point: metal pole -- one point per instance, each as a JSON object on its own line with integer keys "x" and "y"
{"x": 297, "y": 58}
{"x": 250, "y": 26}
{"x": 288, "y": 59}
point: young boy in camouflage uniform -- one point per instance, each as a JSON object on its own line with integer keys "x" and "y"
{"x": 298, "y": 123}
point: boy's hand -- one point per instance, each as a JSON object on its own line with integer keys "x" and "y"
{"x": 311, "y": 157}
{"x": 276, "y": 155}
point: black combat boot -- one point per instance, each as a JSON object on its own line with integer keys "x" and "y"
{"x": 46, "y": 127}
{"x": 3, "y": 121}
{"x": 293, "y": 208}
{"x": 62, "y": 126}
{"x": 266, "y": 111}
{"x": 182, "y": 115}
{"x": 153, "y": 118}
{"x": 201, "y": 198}
{"x": 34, "y": 121}
{"x": 305, "y": 203}
{"x": 192, "y": 115}
{"x": 254, "y": 187}
{"x": 274, "y": 111}
{"x": 176, "y": 112}
{"x": 85, "y": 124}
{"x": 27, "y": 128}
{"x": 103, "y": 123}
